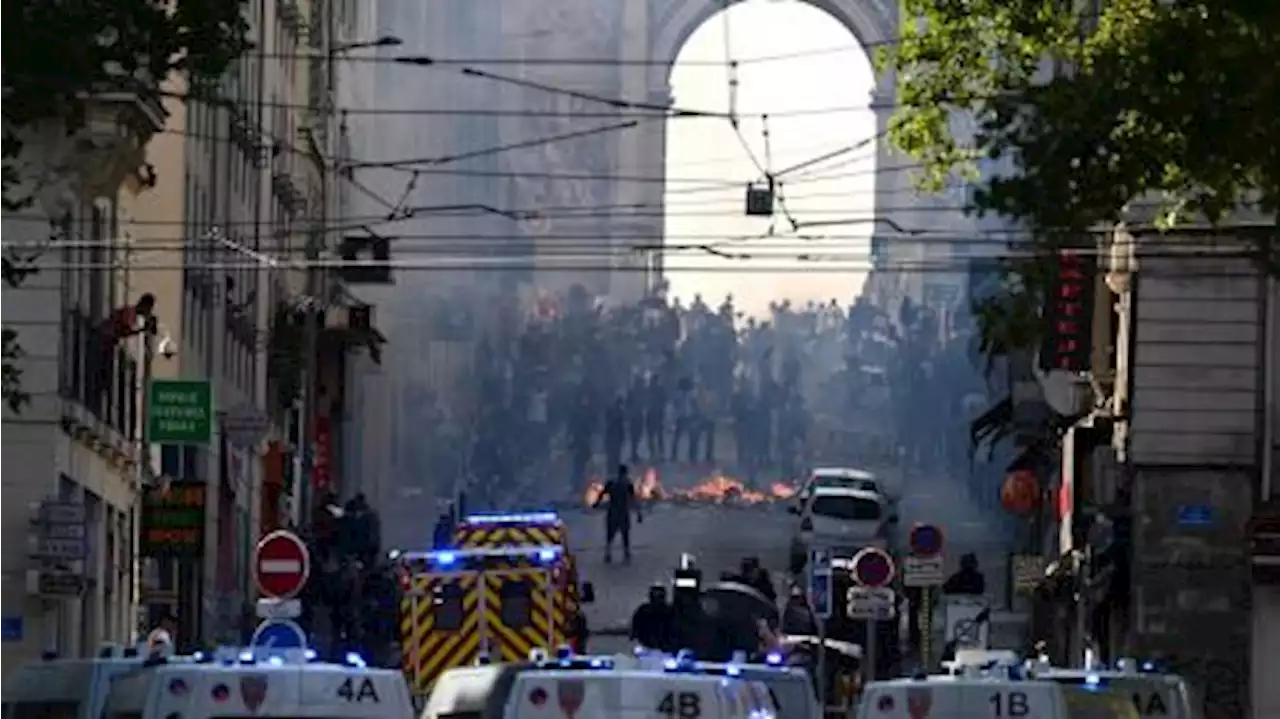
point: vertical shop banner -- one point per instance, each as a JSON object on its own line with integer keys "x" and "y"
{"x": 1068, "y": 314}
{"x": 322, "y": 465}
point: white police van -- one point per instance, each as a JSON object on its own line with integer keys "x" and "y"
{"x": 590, "y": 687}
{"x": 972, "y": 694}
{"x": 66, "y": 688}
{"x": 264, "y": 685}
{"x": 790, "y": 688}
{"x": 1090, "y": 692}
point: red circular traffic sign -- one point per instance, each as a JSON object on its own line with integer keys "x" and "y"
{"x": 281, "y": 564}
{"x": 925, "y": 540}
{"x": 873, "y": 567}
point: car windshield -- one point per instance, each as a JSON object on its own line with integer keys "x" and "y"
{"x": 839, "y": 480}
{"x": 838, "y": 506}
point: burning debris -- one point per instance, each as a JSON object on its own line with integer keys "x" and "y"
{"x": 714, "y": 489}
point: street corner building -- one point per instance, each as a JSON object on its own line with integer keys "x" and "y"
{"x": 71, "y": 423}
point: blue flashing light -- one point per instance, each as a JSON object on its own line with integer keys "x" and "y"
{"x": 733, "y": 671}
{"x": 246, "y": 656}
{"x": 773, "y": 658}
{"x": 198, "y": 657}
{"x": 355, "y": 660}
{"x": 671, "y": 665}
{"x": 547, "y": 555}
{"x": 310, "y": 655}
{"x": 564, "y": 652}
{"x": 1092, "y": 681}
{"x": 517, "y": 518}
{"x": 1148, "y": 666}
{"x": 275, "y": 661}
{"x": 444, "y": 558}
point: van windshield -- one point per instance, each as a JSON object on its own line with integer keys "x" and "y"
{"x": 846, "y": 507}
{"x": 1082, "y": 704}
{"x": 43, "y": 710}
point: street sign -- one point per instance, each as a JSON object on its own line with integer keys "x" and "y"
{"x": 60, "y": 533}
{"x": 876, "y": 603}
{"x": 923, "y": 571}
{"x": 60, "y": 550}
{"x": 281, "y": 564}
{"x": 925, "y": 540}
{"x": 279, "y": 634}
{"x": 245, "y": 425}
{"x": 820, "y": 593}
{"x": 60, "y": 583}
{"x": 269, "y": 608}
{"x": 819, "y": 560}
{"x": 873, "y": 567}
{"x": 180, "y": 411}
{"x": 967, "y": 622}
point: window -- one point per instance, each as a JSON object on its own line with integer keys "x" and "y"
{"x": 447, "y": 607}
{"x": 848, "y": 507}
{"x": 516, "y": 610}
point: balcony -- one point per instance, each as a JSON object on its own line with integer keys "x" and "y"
{"x": 99, "y": 384}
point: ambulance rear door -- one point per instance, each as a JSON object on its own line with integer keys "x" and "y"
{"x": 440, "y": 625}
{"x": 519, "y": 612}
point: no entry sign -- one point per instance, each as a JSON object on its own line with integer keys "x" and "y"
{"x": 873, "y": 567}
{"x": 925, "y": 540}
{"x": 281, "y": 564}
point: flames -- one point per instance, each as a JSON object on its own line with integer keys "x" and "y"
{"x": 714, "y": 489}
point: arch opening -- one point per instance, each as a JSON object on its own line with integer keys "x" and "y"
{"x": 804, "y": 116}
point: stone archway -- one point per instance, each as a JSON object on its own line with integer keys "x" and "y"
{"x": 669, "y": 25}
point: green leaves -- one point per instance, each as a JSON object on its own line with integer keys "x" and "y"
{"x": 1144, "y": 100}
{"x": 55, "y": 52}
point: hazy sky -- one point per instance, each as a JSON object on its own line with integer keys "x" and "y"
{"x": 827, "y": 70}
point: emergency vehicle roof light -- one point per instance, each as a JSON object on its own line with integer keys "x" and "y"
{"x": 448, "y": 557}
{"x": 537, "y": 654}
{"x": 564, "y": 651}
{"x": 773, "y": 658}
{"x": 355, "y": 660}
{"x": 516, "y": 518}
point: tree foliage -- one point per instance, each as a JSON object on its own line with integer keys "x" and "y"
{"x": 57, "y": 53}
{"x": 1094, "y": 110}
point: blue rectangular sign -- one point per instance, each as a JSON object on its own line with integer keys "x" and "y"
{"x": 820, "y": 594}
{"x": 12, "y": 629}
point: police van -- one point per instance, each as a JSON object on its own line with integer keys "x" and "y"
{"x": 790, "y": 688}
{"x": 1151, "y": 695}
{"x": 587, "y": 687}
{"x": 267, "y": 685}
{"x": 968, "y": 695}
{"x": 66, "y": 688}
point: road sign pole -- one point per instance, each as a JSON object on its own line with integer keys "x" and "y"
{"x": 869, "y": 652}
{"x": 926, "y": 627}
{"x": 822, "y": 664}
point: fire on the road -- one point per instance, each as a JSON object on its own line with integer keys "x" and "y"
{"x": 714, "y": 489}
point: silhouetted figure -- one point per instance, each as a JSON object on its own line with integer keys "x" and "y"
{"x": 651, "y": 624}
{"x": 968, "y": 580}
{"x": 621, "y": 496}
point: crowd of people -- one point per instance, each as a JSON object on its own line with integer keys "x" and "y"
{"x": 577, "y": 388}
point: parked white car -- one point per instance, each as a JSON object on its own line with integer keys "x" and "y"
{"x": 843, "y": 520}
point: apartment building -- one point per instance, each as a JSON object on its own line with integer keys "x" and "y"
{"x": 70, "y": 473}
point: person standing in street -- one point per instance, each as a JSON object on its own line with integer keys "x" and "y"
{"x": 621, "y": 495}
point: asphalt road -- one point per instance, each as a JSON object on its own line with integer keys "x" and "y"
{"x": 719, "y": 536}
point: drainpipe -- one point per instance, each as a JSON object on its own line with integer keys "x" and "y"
{"x": 1270, "y": 363}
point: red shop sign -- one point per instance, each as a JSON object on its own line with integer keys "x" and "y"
{"x": 321, "y": 472}
{"x": 1068, "y": 314}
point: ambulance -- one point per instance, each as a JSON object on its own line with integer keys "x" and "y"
{"x": 529, "y": 529}
{"x": 972, "y": 694}
{"x": 500, "y": 602}
{"x": 67, "y": 688}
{"x": 597, "y": 687}
{"x": 274, "y": 684}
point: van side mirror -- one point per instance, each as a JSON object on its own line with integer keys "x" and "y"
{"x": 588, "y": 593}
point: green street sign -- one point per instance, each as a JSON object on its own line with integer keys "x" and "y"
{"x": 180, "y": 411}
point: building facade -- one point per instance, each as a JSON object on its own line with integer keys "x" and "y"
{"x": 71, "y": 452}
